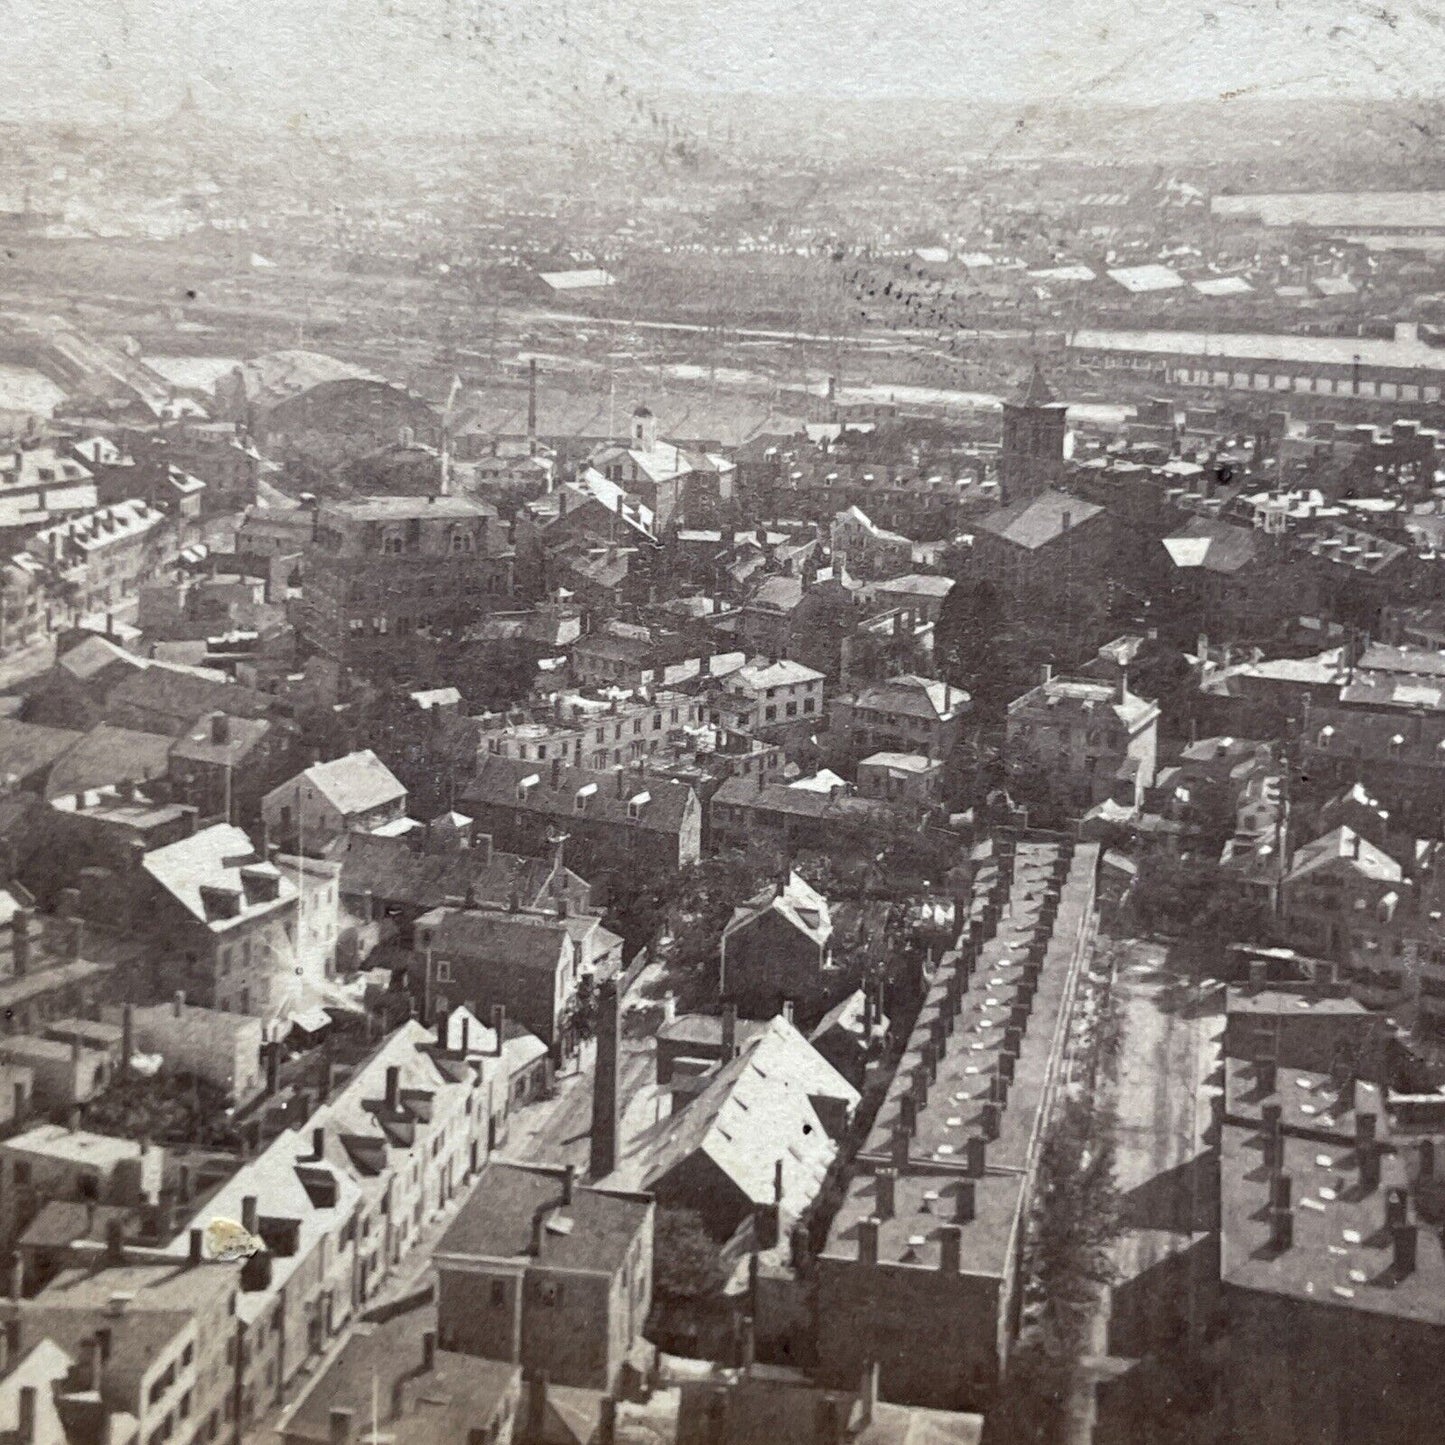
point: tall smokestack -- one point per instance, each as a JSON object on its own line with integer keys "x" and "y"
{"x": 532, "y": 407}
{"x": 604, "y": 1086}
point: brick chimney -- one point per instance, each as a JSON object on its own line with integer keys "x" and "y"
{"x": 20, "y": 941}
{"x": 883, "y": 1193}
{"x": 868, "y": 1241}
{"x": 606, "y": 1122}
{"x": 975, "y": 1150}
{"x": 1405, "y": 1238}
{"x": 908, "y": 1116}
{"x": 1281, "y": 1229}
{"x": 950, "y": 1249}
{"x": 729, "y": 1032}
{"x": 534, "y": 1386}
{"x": 965, "y": 1202}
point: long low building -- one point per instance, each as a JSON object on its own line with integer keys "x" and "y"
{"x": 928, "y": 1242}
{"x": 1405, "y": 367}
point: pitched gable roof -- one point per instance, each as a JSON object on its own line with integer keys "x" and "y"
{"x": 108, "y": 754}
{"x": 391, "y": 868}
{"x": 1345, "y": 845}
{"x": 592, "y": 1232}
{"x": 220, "y": 860}
{"x": 499, "y": 783}
{"x": 914, "y": 696}
{"x": 1035, "y": 522}
{"x": 27, "y": 749}
{"x": 794, "y": 901}
{"x": 523, "y": 940}
{"x": 753, "y": 1112}
{"x": 1212, "y": 544}
{"x": 356, "y": 783}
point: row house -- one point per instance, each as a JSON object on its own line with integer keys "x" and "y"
{"x": 596, "y": 733}
{"x": 1345, "y": 899}
{"x": 152, "y": 1337}
{"x": 101, "y": 557}
{"x": 528, "y": 964}
{"x": 1097, "y": 741}
{"x": 808, "y": 815}
{"x": 771, "y": 698}
{"x": 232, "y": 919}
{"x": 197, "y": 1346}
{"x": 339, "y": 1206}
{"x": 905, "y": 714}
{"x": 616, "y": 819}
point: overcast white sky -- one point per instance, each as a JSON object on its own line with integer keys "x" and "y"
{"x": 445, "y": 62}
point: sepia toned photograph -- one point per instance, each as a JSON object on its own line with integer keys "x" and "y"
{"x": 722, "y": 723}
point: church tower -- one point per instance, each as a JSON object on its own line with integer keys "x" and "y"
{"x": 1032, "y": 458}
{"x": 644, "y": 429}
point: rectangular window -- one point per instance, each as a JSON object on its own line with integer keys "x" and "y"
{"x": 549, "y": 1293}
{"x": 499, "y": 1294}
{"x": 444, "y": 970}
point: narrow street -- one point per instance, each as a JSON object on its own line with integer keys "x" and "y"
{"x": 1170, "y": 1030}
{"x": 528, "y": 1139}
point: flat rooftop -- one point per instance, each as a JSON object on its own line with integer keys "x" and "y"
{"x": 1310, "y": 1103}
{"x": 1342, "y": 1252}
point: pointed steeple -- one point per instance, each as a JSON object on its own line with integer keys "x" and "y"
{"x": 1037, "y": 391}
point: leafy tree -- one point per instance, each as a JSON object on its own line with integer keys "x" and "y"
{"x": 491, "y": 676}
{"x": 171, "y": 1106}
{"x": 1163, "y": 675}
{"x": 694, "y": 904}
{"x": 1077, "y": 1215}
{"x": 969, "y": 646}
{"x": 1067, "y": 1261}
{"x": 1193, "y": 897}
{"x": 433, "y": 755}
{"x": 580, "y": 1019}
{"x": 686, "y": 1267}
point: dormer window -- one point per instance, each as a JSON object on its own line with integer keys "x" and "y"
{"x": 636, "y": 804}
{"x": 582, "y": 796}
{"x": 1326, "y": 735}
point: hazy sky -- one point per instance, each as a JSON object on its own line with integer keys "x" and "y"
{"x": 448, "y": 62}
